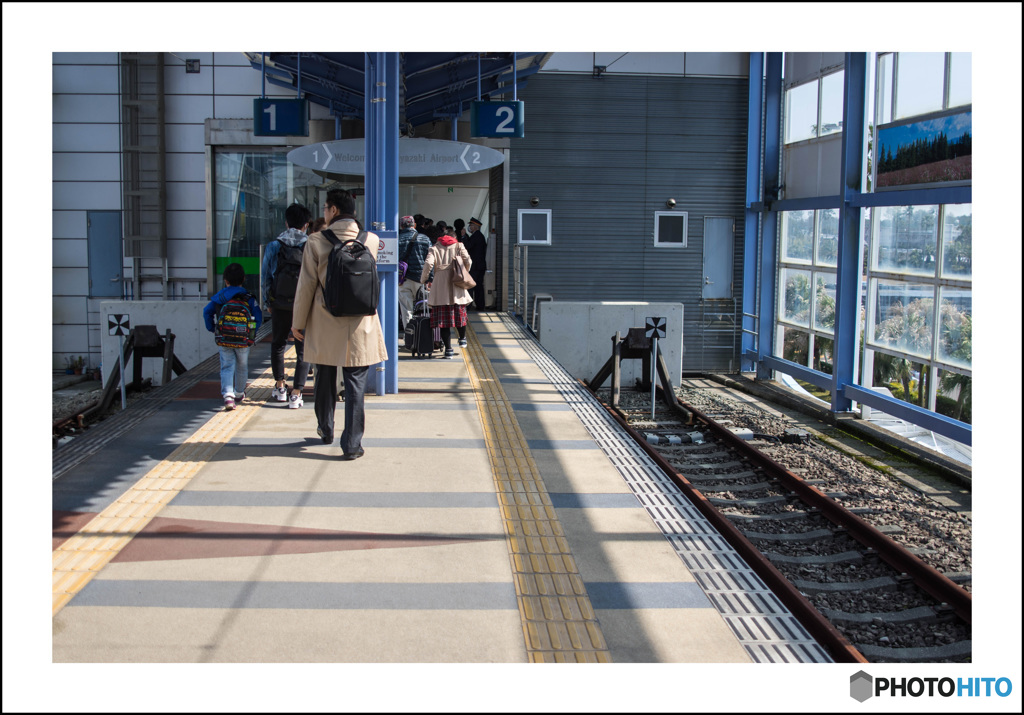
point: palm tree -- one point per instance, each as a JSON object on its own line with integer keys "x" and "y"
{"x": 907, "y": 329}
{"x": 956, "y": 338}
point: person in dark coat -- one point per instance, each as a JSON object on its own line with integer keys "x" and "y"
{"x": 476, "y": 246}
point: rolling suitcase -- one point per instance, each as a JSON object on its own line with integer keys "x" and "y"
{"x": 419, "y": 338}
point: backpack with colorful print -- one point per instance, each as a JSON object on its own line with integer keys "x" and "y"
{"x": 235, "y": 326}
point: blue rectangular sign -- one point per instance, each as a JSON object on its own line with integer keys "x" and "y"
{"x": 497, "y": 119}
{"x": 280, "y": 117}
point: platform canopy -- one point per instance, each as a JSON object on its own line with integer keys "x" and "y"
{"x": 433, "y": 85}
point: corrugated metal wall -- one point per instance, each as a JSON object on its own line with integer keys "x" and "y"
{"x": 604, "y": 154}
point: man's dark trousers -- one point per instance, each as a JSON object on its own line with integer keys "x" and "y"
{"x": 325, "y": 398}
{"x": 281, "y": 322}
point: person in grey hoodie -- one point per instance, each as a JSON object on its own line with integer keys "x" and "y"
{"x": 279, "y": 276}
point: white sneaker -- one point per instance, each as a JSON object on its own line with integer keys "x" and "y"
{"x": 295, "y": 401}
{"x": 229, "y": 402}
{"x": 280, "y": 394}
{"x": 463, "y": 343}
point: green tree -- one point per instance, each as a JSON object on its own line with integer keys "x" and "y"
{"x": 907, "y": 329}
{"x": 956, "y": 338}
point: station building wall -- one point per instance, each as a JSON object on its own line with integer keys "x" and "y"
{"x": 604, "y": 154}
{"x": 87, "y": 177}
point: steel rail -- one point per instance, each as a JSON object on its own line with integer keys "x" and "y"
{"x": 841, "y": 650}
{"x": 929, "y": 579}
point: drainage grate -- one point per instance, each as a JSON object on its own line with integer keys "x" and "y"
{"x": 767, "y": 631}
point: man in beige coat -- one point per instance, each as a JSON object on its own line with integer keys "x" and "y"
{"x": 351, "y": 343}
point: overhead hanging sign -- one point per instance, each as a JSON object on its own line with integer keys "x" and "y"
{"x": 497, "y": 119}
{"x": 277, "y": 117}
{"x": 416, "y": 157}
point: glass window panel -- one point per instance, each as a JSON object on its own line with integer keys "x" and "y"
{"x": 828, "y": 237}
{"x": 825, "y": 302}
{"x": 907, "y": 239}
{"x": 802, "y": 112}
{"x": 903, "y": 316}
{"x": 822, "y": 354}
{"x": 885, "y": 88}
{"x": 794, "y": 345}
{"x": 670, "y": 228}
{"x": 955, "y": 326}
{"x": 959, "y": 79}
{"x": 796, "y": 296}
{"x": 954, "y": 396}
{"x": 797, "y": 236}
{"x": 253, "y": 189}
{"x": 956, "y": 241}
{"x": 831, "y": 104}
{"x": 920, "y": 77}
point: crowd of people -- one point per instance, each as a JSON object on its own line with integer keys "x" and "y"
{"x": 293, "y": 275}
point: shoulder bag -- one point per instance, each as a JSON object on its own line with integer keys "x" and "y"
{"x": 460, "y": 276}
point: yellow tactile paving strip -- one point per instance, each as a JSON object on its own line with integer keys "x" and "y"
{"x": 559, "y": 623}
{"x": 80, "y": 558}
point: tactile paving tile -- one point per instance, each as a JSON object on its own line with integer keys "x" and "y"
{"x": 774, "y": 635}
{"x": 559, "y": 623}
{"x": 81, "y": 557}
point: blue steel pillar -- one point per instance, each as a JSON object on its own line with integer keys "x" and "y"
{"x": 381, "y": 122}
{"x": 844, "y": 348}
{"x": 748, "y": 354}
{"x": 769, "y": 219}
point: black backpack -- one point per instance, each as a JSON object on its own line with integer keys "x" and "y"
{"x": 286, "y": 277}
{"x": 351, "y": 287}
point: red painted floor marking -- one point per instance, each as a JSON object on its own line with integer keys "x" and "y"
{"x": 68, "y": 523}
{"x": 167, "y": 539}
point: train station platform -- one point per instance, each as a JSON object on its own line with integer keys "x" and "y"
{"x": 498, "y": 516}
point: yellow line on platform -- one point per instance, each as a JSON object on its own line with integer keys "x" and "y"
{"x": 81, "y": 557}
{"x": 559, "y": 624}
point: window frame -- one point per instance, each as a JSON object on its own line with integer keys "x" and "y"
{"x": 519, "y": 227}
{"x": 657, "y": 229}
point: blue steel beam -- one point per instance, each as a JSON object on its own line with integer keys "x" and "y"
{"x": 424, "y": 110}
{"x": 804, "y": 204}
{"x": 417, "y": 63}
{"x": 940, "y": 424}
{"x": 324, "y": 81}
{"x": 382, "y": 195}
{"x": 769, "y": 220}
{"x": 915, "y": 197}
{"x": 442, "y": 79}
{"x": 847, "y": 307}
{"x": 751, "y": 220}
{"x": 820, "y": 379}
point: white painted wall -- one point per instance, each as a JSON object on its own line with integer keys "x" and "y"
{"x": 87, "y": 176}
{"x": 579, "y": 335}
{"x": 193, "y": 343}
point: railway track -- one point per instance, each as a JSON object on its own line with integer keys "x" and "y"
{"x": 876, "y": 574}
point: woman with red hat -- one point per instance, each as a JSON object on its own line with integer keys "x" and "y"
{"x": 447, "y": 301}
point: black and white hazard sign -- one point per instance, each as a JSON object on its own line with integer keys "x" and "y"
{"x": 655, "y": 328}
{"x": 117, "y": 324}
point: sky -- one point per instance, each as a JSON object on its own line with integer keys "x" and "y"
{"x": 953, "y": 126}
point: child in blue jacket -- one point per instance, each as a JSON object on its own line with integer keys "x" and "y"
{"x": 234, "y": 334}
